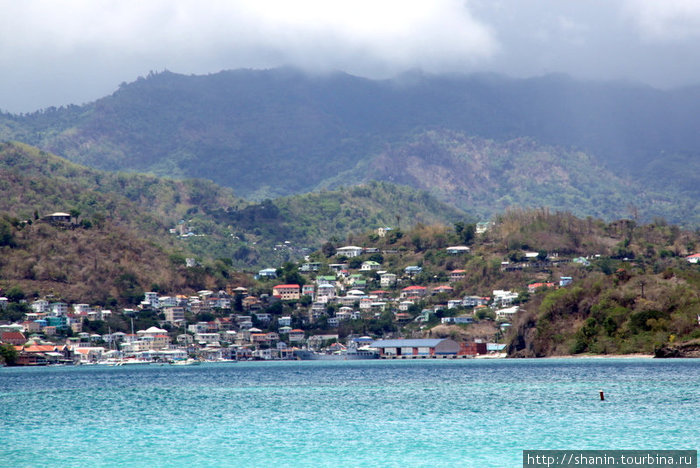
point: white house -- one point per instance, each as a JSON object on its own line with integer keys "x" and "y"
{"x": 350, "y": 251}
{"x": 370, "y": 265}
{"x": 387, "y": 279}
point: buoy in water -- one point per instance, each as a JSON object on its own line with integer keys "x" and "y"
{"x": 602, "y": 395}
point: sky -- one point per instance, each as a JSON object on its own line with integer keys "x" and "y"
{"x": 55, "y": 53}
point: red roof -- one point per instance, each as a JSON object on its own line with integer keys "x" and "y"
{"x": 12, "y": 336}
{"x": 286, "y": 286}
{"x": 458, "y": 271}
{"x": 296, "y": 330}
{"x": 414, "y": 288}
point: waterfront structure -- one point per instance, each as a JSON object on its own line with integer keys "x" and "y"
{"x": 417, "y": 347}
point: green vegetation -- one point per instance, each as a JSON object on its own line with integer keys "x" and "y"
{"x": 480, "y": 143}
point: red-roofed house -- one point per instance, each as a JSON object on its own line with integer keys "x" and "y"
{"x": 531, "y": 288}
{"x": 443, "y": 289}
{"x": 413, "y": 291}
{"x": 286, "y": 291}
{"x": 456, "y": 275}
{"x": 13, "y": 338}
{"x": 695, "y": 258}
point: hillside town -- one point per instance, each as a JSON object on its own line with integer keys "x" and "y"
{"x": 332, "y": 307}
{"x": 349, "y": 302}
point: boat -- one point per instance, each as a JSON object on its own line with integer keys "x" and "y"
{"x": 186, "y": 362}
{"x": 350, "y": 354}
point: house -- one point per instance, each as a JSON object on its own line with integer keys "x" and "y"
{"x": 13, "y": 338}
{"x": 338, "y": 267}
{"x": 474, "y": 301}
{"x": 263, "y": 317}
{"x": 267, "y": 273}
{"x": 387, "y": 280}
{"x": 284, "y": 321}
{"x": 382, "y": 231}
{"x": 507, "y": 313}
{"x": 462, "y": 320}
{"x": 325, "y": 292}
{"x": 308, "y": 290}
{"x": 416, "y": 347}
{"x": 413, "y": 291}
{"x": 59, "y": 308}
{"x": 349, "y": 251}
{"x": 379, "y": 294}
{"x": 458, "y": 249}
{"x": 174, "y": 315}
{"x": 40, "y": 306}
{"x": 296, "y": 335}
{"x": 457, "y": 275}
{"x": 370, "y": 265}
{"x": 412, "y": 270}
{"x": 251, "y": 303}
{"x": 502, "y": 298}
{"x": 443, "y": 289}
{"x": 482, "y": 227}
{"x": 694, "y": 258}
{"x": 309, "y": 267}
{"x": 532, "y": 287}
{"x": 57, "y": 218}
{"x": 565, "y": 281}
{"x": 286, "y": 292}
{"x": 320, "y": 280}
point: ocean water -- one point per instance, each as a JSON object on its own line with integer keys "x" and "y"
{"x": 467, "y": 413}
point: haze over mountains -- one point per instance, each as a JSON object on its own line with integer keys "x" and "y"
{"x": 481, "y": 143}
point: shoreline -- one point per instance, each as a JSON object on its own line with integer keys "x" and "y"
{"x": 602, "y": 356}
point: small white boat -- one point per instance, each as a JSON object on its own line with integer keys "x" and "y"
{"x": 186, "y": 362}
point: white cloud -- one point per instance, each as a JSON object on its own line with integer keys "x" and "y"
{"x": 430, "y": 34}
{"x": 665, "y": 20}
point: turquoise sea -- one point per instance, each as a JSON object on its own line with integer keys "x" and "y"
{"x": 467, "y": 413}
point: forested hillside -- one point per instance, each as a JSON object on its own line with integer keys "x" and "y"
{"x": 208, "y": 221}
{"x": 577, "y": 145}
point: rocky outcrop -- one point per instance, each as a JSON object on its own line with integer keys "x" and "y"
{"x": 688, "y": 349}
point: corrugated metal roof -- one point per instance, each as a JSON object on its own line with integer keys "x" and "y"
{"x": 411, "y": 343}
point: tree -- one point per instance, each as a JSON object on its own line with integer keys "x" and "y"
{"x": 465, "y": 232}
{"x": 6, "y": 236}
{"x": 15, "y": 294}
{"x": 238, "y": 303}
{"x": 8, "y": 354}
{"x": 328, "y": 249}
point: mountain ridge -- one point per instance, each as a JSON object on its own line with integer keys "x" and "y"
{"x": 279, "y": 132}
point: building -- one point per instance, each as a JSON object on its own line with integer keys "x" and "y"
{"x": 13, "y": 337}
{"x": 370, "y": 265}
{"x": 458, "y": 249}
{"x": 174, "y": 315}
{"x": 532, "y": 287}
{"x": 267, "y": 273}
{"x": 349, "y": 251}
{"x": 457, "y": 275}
{"x": 386, "y": 280}
{"x": 296, "y": 336}
{"x": 417, "y": 347}
{"x": 410, "y": 291}
{"x": 412, "y": 270}
{"x": 286, "y": 292}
